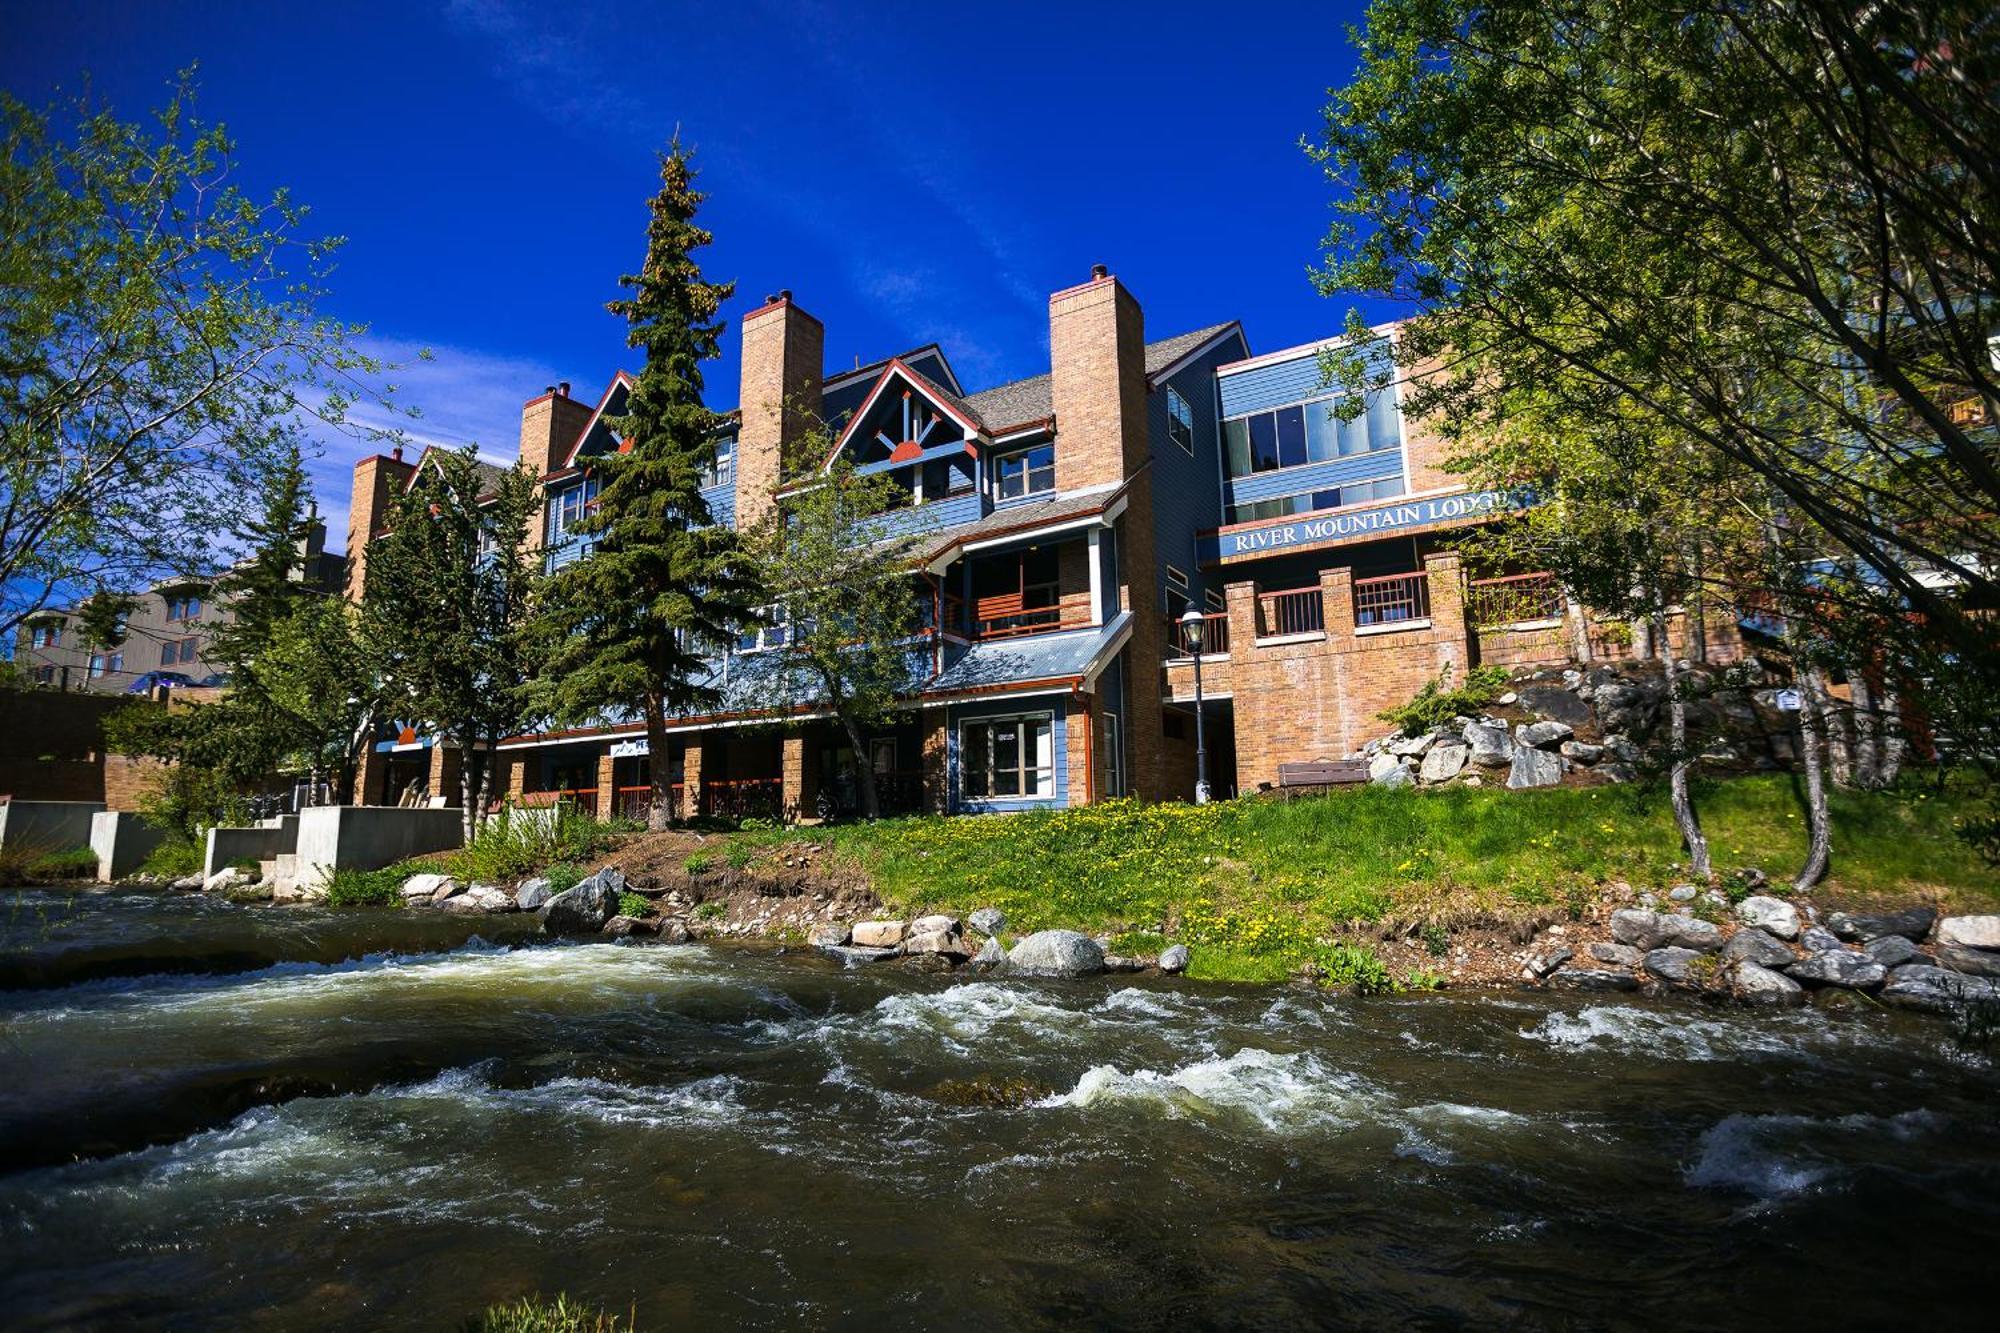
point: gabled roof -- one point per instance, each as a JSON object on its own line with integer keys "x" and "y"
{"x": 622, "y": 378}
{"x": 950, "y": 403}
{"x": 1030, "y": 401}
{"x": 846, "y": 378}
{"x": 489, "y": 474}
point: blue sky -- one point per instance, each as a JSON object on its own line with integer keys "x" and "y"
{"x": 910, "y": 172}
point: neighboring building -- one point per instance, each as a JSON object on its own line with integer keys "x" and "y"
{"x": 1067, "y": 523}
{"x": 167, "y": 634}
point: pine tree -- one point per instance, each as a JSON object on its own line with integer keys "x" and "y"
{"x": 626, "y": 627}
{"x": 265, "y": 588}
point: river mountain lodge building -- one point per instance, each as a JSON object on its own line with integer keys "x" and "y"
{"x": 1065, "y": 525}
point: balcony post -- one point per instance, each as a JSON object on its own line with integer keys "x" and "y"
{"x": 1240, "y": 600}
{"x": 1336, "y": 593}
{"x": 691, "y": 779}
{"x": 1442, "y": 569}
{"x": 800, "y": 796}
{"x": 607, "y": 784}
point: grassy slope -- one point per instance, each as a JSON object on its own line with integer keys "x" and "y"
{"x": 1262, "y": 887}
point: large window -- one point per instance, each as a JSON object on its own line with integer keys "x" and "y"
{"x": 175, "y": 651}
{"x": 1326, "y": 497}
{"x": 1180, "y": 420}
{"x": 183, "y": 607}
{"x": 45, "y": 636}
{"x": 571, "y": 506}
{"x": 1302, "y": 433}
{"x": 1012, "y": 756}
{"x": 767, "y": 632}
{"x": 1025, "y": 473}
{"x": 106, "y": 664}
{"x": 720, "y": 472}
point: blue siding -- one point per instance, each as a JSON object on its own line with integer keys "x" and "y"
{"x": 1187, "y": 492}
{"x": 1279, "y": 383}
{"x": 1055, "y": 706}
{"x": 1314, "y": 476}
{"x": 722, "y": 504}
{"x": 936, "y": 514}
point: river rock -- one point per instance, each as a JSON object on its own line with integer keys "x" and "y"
{"x": 854, "y": 955}
{"x": 1682, "y": 893}
{"x": 988, "y": 920}
{"x": 463, "y": 904}
{"x": 228, "y": 878}
{"x": 1818, "y": 939}
{"x": 1174, "y": 958}
{"x": 878, "y": 934}
{"x": 1911, "y": 923}
{"x": 1756, "y": 984}
{"x": 1655, "y": 930}
{"x": 827, "y": 935}
{"x": 1892, "y": 951}
{"x": 1973, "y": 962}
{"x": 945, "y": 943}
{"x": 1534, "y": 768}
{"x": 1402, "y": 775}
{"x": 1971, "y": 932}
{"x": 1581, "y": 752}
{"x": 1491, "y": 746}
{"x": 673, "y": 930}
{"x": 1592, "y": 979}
{"x": 188, "y": 883}
{"x": 427, "y": 886}
{"x": 1056, "y": 953}
{"x": 582, "y": 910}
{"x": 937, "y": 923}
{"x": 1445, "y": 761}
{"x": 1936, "y": 989}
{"x": 1120, "y": 962}
{"x": 1766, "y": 913}
{"x": 1839, "y": 967}
{"x": 1618, "y": 955}
{"x": 619, "y": 927}
{"x": 533, "y": 895}
{"x": 248, "y": 891}
{"x": 1676, "y": 965}
{"x": 1543, "y": 735}
{"x": 1751, "y": 945}
{"x": 990, "y": 955}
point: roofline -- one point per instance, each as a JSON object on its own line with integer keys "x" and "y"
{"x": 1180, "y": 363}
{"x": 624, "y": 377}
{"x": 896, "y": 363}
{"x": 943, "y": 555}
{"x": 875, "y": 367}
{"x": 1303, "y": 349}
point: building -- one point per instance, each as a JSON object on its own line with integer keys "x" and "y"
{"x": 1068, "y": 522}
{"x": 167, "y": 634}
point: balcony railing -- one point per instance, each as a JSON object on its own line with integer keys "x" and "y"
{"x": 1515, "y": 598}
{"x": 1040, "y": 620}
{"x": 1391, "y": 599}
{"x": 637, "y": 802}
{"x": 1292, "y": 611}
{"x": 743, "y": 798}
{"x": 583, "y": 798}
{"x": 1214, "y": 636}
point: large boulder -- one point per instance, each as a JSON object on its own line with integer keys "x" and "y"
{"x": 1839, "y": 967}
{"x": 1936, "y": 990}
{"x": 1818, "y": 939}
{"x": 1445, "y": 761}
{"x": 1581, "y": 752}
{"x": 1543, "y": 735}
{"x": 1592, "y": 979}
{"x": 584, "y": 909}
{"x": 1647, "y": 930}
{"x": 830, "y": 934}
{"x": 1056, "y": 953}
{"x": 990, "y": 955}
{"x": 1534, "y": 768}
{"x": 1755, "y": 984}
{"x": 1893, "y": 951}
{"x": 1400, "y": 775}
{"x": 1971, "y": 932}
{"x": 1491, "y": 746}
{"x": 1618, "y": 955}
{"x": 424, "y": 888}
{"x": 1174, "y": 958}
{"x": 1682, "y": 967}
{"x": 988, "y": 921}
{"x": 1775, "y": 915}
{"x": 878, "y": 934}
{"x": 1411, "y": 747}
{"x": 1973, "y": 962}
{"x": 533, "y": 895}
{"x": 1751, "y": 945}
{"x": 946, "y": 943}
{"x": 1912, "y": 923}
{"x": 229, "y": 879}
{"x": 1555, "y": 702}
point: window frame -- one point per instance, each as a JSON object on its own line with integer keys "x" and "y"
{"x": 1028, "y": 472}
{"x": 1184, "y": 419}
{"x": 1027, "y": 729}
{"x": 1366, "y": 420}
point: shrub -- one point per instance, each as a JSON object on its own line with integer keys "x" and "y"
{"x": 632, "y": 904}
{"x": 69, "y": 863}
{"x": 518, "y": 843}
{"x": 698, "y": 864}
{"x": 540, "y": 1314}
{"x": 737, "y": 854}
{"x": 1422, "y": 978}
{"x": 564, "y": 876}
{"x": 1437, "y": 703}
{"x": 1356, "y": 965}
{"x": 176, "y": 858}
{"x": 1437, "y": 940}
{"x": 366, "y": 888}
{"x": 709, "y": 911}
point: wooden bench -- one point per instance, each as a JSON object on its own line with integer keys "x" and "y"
{"x": 1323, "y": 773}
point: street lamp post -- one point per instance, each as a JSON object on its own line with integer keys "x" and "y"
{"x": 1192, "y": 624}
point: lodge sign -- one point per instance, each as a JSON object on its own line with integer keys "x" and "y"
{"x": 1400, "y": 516}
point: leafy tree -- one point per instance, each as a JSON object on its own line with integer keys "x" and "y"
{"x": 316, "y": 674}
{"x": 626, "y": 629}
{"x": 158, "y": 345}
{"x": 444, "y": 609}
{"x": 843, "y": 591}
{"x": 100, "y": 619}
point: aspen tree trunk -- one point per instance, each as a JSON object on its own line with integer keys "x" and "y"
{"x": 1695, "y": 612}
{"x": 1683, "y": 802}
{"x": 1579, "y": 628}
{"x": 1642, "y": 639}
{"x": 468, "y": 790}
{"x": 1866, "y": 753}
{"x": 1891, "y": 707}
{"x": 1812, "y": 730}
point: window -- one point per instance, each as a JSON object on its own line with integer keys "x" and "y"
{"x": 1303, "y": 433}
{"x": 1305, "y": 502}
{"x": 571, "y": 506}
{"x": 105, "y": 664}
{"x": 946, "y": 477}
{"x": 1111, "y": 763}
{"x": 1214, "y": 600}
{"x": 768, "y": 632}
{"x": 45, "y": 675}
{"x": 722, "y": 470}
{"x": 1006, "y": 757}
{"x": 45, "y": 636}
{"x": 178, "y": 650}
{"x": 1180, "y": 420}
{"x": 1026, "y": 473}
{"x": 184, "y": 607}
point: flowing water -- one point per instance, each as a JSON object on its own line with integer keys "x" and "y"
{"x": 748, "y": 1138}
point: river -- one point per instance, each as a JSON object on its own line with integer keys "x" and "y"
{"x": 248, "y": 1130}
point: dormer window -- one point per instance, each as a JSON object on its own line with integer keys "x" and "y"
{"x": 48, "y": 634}
{"x": 185, "y": 606}
{"x": 1026, "y": 473}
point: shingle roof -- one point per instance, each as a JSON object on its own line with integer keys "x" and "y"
{"x": 1010, "y": 517}
{"x": 998, "y": 663}
{"x": 1024, "y": 402}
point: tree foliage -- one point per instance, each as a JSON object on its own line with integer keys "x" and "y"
{"x": 158, "y": 345}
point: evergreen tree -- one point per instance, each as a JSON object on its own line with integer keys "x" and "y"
{"x": 266, "y": 586}
{"x": 627, "y": 627}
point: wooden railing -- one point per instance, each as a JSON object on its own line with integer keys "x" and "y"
{"x": 1214, "y": 636}
{"x": 1515, "y": 598}
{"x": 1292, "y": 611}
{"x": 583, "y": 798}
{"x": 743, "y": 798}
{"x": 1391, "y": 599}
{"x": 637, "y": 802}
{"x": 1040, "y": 620}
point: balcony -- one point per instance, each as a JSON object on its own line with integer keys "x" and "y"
{"x": 1392, "y": 601}
{"x": 1006, "y": 618}
{"x": 1290, "y": 613}
{"x": 1214, "y": 636}
{"x": 1514, "y": 600}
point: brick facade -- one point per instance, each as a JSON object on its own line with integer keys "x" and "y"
{"x": 783, "y": 351}
{"x": 376, "y": 481}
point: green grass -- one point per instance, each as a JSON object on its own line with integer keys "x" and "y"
{"x": 369, "y": 888}
{"x": 542, "y": 1314}
{"x": 517, "y": 846}
{"x": 1263, "y": 888}
{"x": 69, "y": 863}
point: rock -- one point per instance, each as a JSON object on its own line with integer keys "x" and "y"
{"x": 1838, "y": 967}
{"x": 1534, "y": 768}
{"x": 1892, "y": 951}
{"x": 1056, "y": 953}
{"x": 427, "y": 886}
{"x": 827, "y": 936}
{"x": 1382, "y": 765}
{"x": 878, "y": 934}
{"x": 1971, "y": 932}
{"x": 1174, "y": 958}
{"x": 988, "y": 921}
{"x": 1936, "y": 989}
{"x": 1618, "y": 772}
{"x": 990, "y": 954}
{"x": 1773, "y": 915}
{"x": 1118, "y": 962}
{"x": 1623, "y": 750}
{"x": 1752, "y": 945}
{"x": 1399, "y": 776}
{"x": 618, "y": 927}
{"x": 1818, "y": 939}
{"x": 533, "y": 895}
{"x": 1591, "y": 979}
{"x": 1543, "y": 735}
{"x": 464, "y": 904}
{"x": 582, "y": 910}
{"x": 1911, "y": 923}
{"x": 946, "y": 943}
{"x": 854, "y": 955}
{"x": 1677, "y": 965}
{"x": 1445, "y": 761}
{"x": 1681, "y": 893}
{"x": 1508, "y": 700}
{"x": 673, "y": 930}
{"x": 1558, "y": 703}
{"x": 1655, "y": 930}
{"x": 1549, "y": 962}
{"x": 1618, "y": 955}
{"x": 935, "y": 924}
{"x": 1491, "y": 746}
{"x": 1581, "y": 752}
{"x": 1474, "y": 780}
{"x": 1411, "y": 747}
{"x": 1973, "y": 962}
{"x": 228, "y": 878}
{"x": 1755, "y": 984}
{"x": 611, "y": 877}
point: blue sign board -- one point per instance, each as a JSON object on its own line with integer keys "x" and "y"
{"x": 1283, "y": 534}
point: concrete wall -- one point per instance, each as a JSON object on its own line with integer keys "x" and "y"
{"x": 122, "y": 842}
{"x": 368, "y": 837}
{"x": 58, "y": 826}
{"x": 226, "y": 846}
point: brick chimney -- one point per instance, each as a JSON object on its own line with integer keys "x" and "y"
{"x": 376, "y": 482}
{"x": 784, "y": 350}
{"x": 1097, "y": 374}
{"x": 549, "y": 426}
